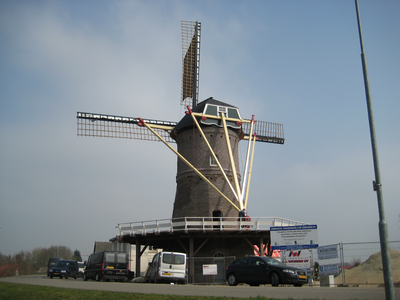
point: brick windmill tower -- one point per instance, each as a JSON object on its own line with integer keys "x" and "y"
{"x": 209, "y": 183}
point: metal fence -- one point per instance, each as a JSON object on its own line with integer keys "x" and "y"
{"x": 198, "y": 265}
{"x": 361, "y": 263}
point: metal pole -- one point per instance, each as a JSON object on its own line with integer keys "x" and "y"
{"x": 233, "y": 167}
{"x": 342, "y": 263}
{"x": 246, "y": 168}
{"x": 383, "y": 231}
{"x": 250, "y": 170}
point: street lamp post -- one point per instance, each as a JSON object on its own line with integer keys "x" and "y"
{"x": 377, "y": 185}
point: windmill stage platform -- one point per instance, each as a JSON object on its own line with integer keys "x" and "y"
{"x": 200, "y": 236}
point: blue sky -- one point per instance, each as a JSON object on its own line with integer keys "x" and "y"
{"x": 291, "y": 62}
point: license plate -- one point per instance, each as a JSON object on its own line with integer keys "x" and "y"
{"x": 166, "y": 273}
{"x": 110, "y": 267}
{"x": 303, "y": 277}
{"x": 56, "y": 273}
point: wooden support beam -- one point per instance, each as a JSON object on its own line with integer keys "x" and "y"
{"x": 138, "y": 255}
{"x": 201, "y": 246}
{"x": 191, "y": 261}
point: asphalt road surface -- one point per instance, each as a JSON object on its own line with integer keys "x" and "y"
{"x": 240, "y": 291}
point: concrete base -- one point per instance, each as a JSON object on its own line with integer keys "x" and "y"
{"x": 327, "y": 281}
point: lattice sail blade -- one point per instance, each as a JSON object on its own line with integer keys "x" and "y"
{"x": 265, "y": 131}
{"x": 190, "y": 62}
{"x": 98, "y": 125}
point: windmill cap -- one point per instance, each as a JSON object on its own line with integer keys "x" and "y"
{"x": 187, "y": 122}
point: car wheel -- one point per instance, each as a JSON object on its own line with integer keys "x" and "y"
{"x": 85, "y": 277}
{"x": 51, "y": 276}
{"x": 98, "y": 277}
{"x": 274, "y": 279}
{"x": 232, "y": 281}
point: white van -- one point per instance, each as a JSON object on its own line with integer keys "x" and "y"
{"x": 167, "y": 267}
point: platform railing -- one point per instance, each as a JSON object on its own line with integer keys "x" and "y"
{"x": 190, "y": 224}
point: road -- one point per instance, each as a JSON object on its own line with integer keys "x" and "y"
{"x": 241, "y": 291}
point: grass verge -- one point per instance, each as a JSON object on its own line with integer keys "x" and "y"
{"x": 34, "y": 292}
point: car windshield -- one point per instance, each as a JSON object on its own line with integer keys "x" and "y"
{"x": 61, "y": 263}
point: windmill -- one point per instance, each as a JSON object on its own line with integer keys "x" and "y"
{"x": 209, "y": 183}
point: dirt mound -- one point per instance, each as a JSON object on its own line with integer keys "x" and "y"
{"x": 370, "y": 272}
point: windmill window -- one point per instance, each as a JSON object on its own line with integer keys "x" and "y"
{"x": 222, "y": 109}
{"x": 212, "y": 110}
{"x": 213, "y": 162}
{"x": 216, "y": 110}
{"x": 233, "y": 113}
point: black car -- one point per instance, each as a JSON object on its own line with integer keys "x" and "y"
{"x": 256, "y": 270}
{"x": 108, "y": 265}
{"x": 51, "y": 263}
{"x": 65, "y": 268}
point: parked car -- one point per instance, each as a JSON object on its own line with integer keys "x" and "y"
{"x": 64, "y": 268}
{"x": 108, "y": 265}
{"x": 167, "y": 267}
{"x": 81, "y": 266}
{"x": 52, "y": 261}
{"x": 256, "y": 270}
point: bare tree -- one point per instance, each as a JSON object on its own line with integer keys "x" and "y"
{"x": 7, "y": 266}
{"x": 60, "y": 251}
{"x": 25, "y": 262}
{"x": 356, "y": 262}
{"x": 40, "y": 257}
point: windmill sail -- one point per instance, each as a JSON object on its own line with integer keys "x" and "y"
{"x": 266, "y": 132}
{"x": 100, "y": 125}
{"x": 190, "y": 62}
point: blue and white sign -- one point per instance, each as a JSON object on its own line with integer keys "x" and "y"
{"x": 294, "y": 237}
{"x": 327, "y": 252}
{"x": 325, "y": 270}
